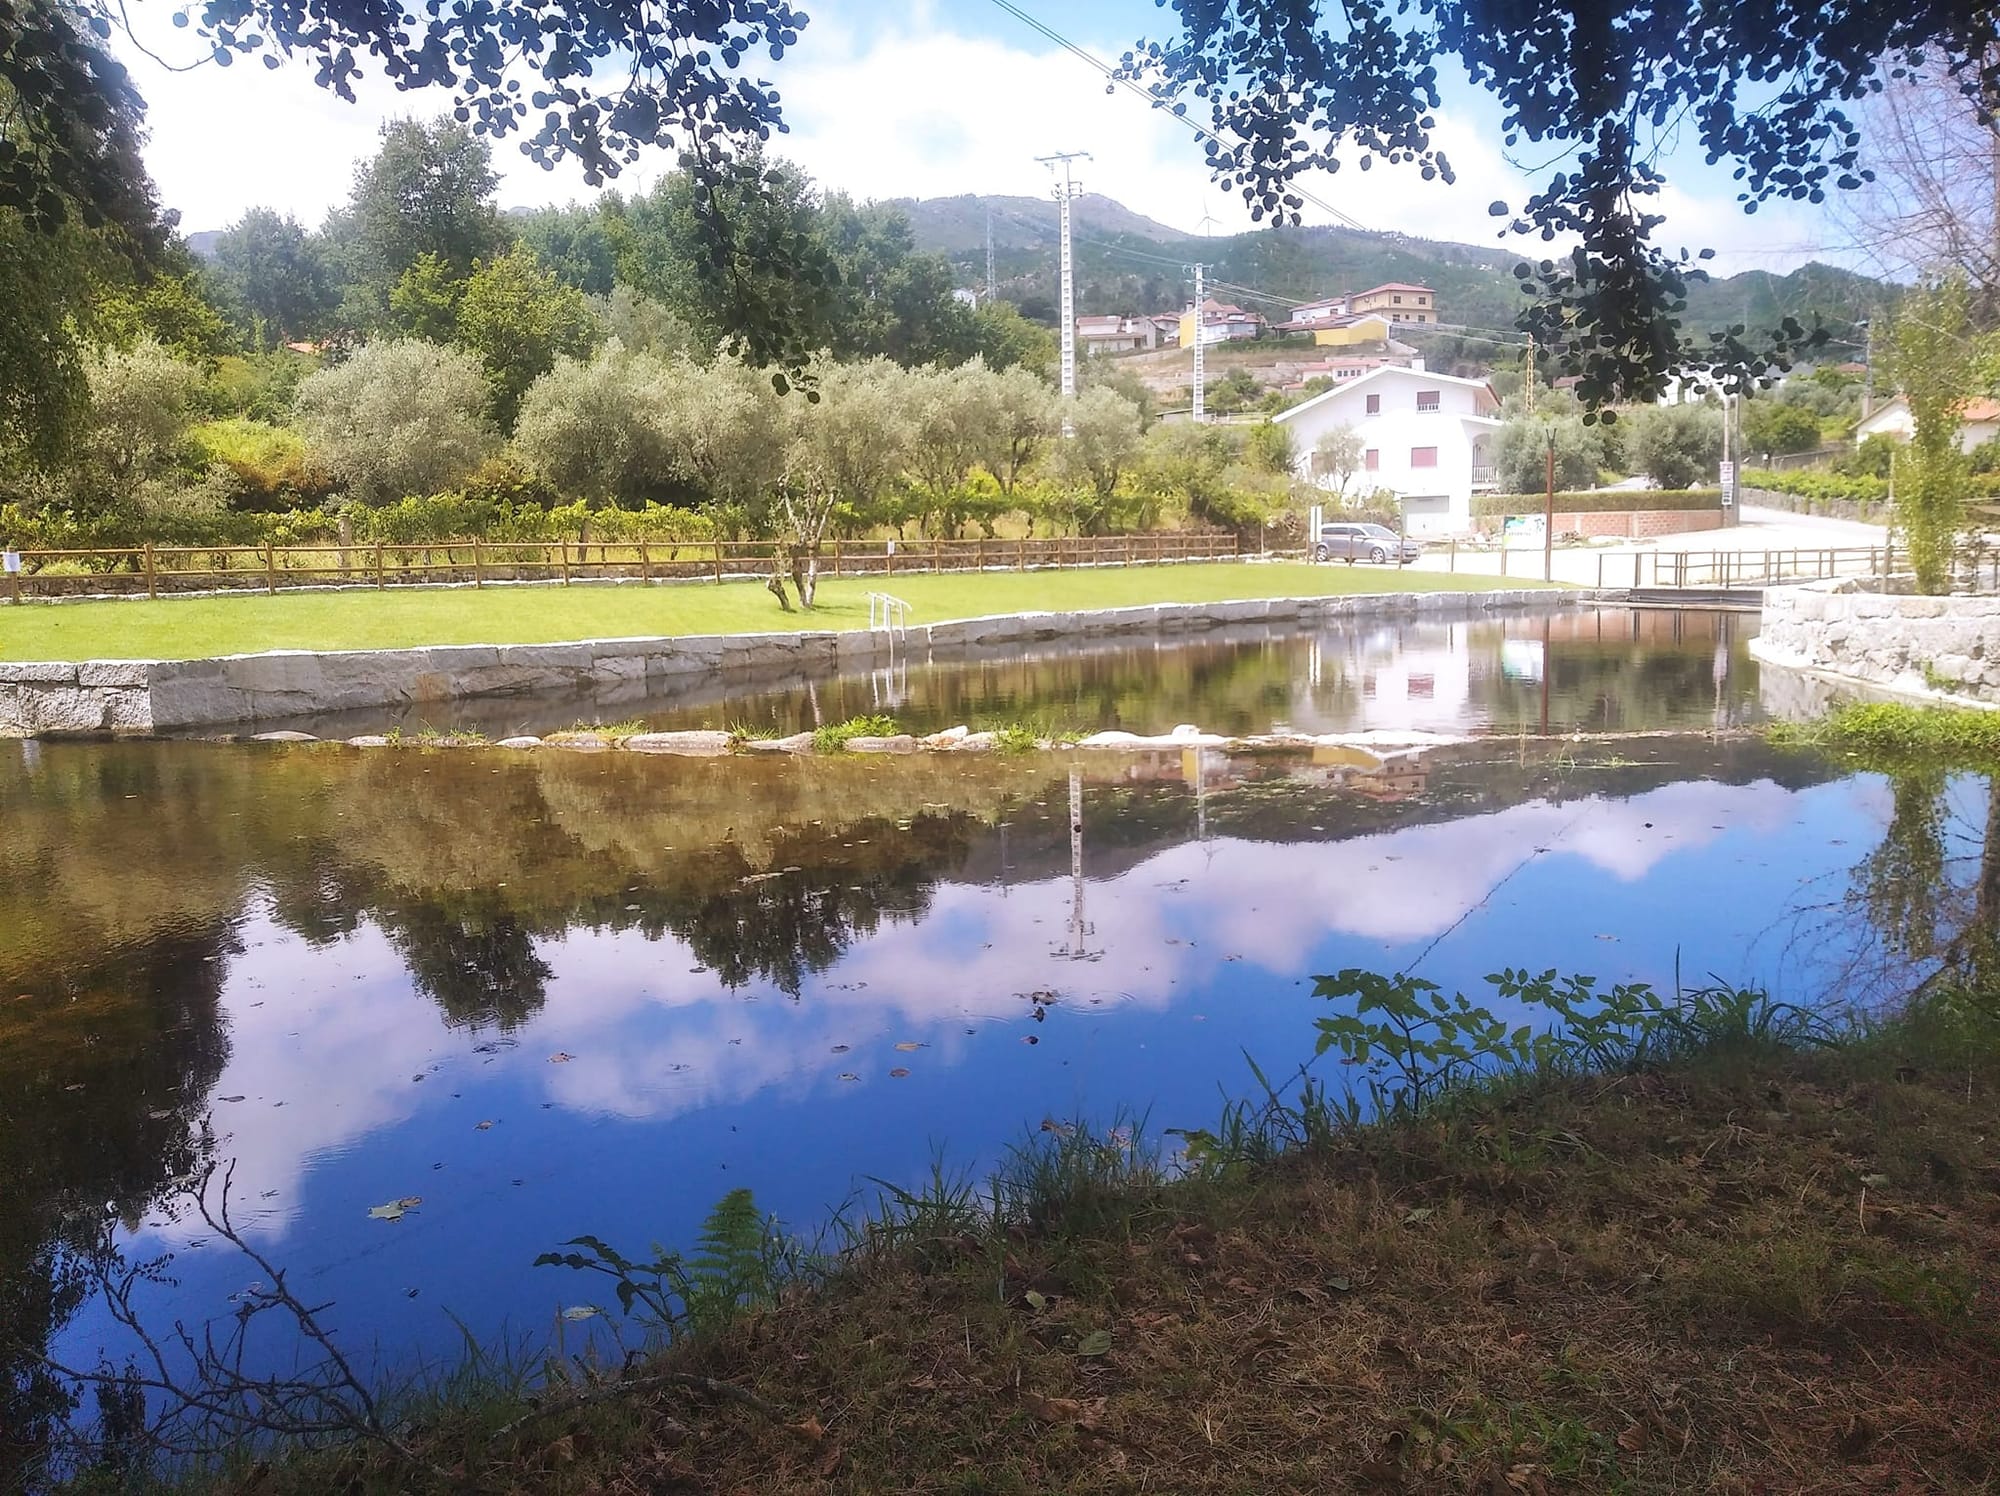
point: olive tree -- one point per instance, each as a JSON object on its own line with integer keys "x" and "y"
{"x": 842, "y": 450}
{"x": 1026, "y": 418}
{"x": 399, "y": 418}
{"x": 139, "y": 412}
{"x": 1939, "y": 361}
{"x": 1677, "y": 446}
{"x": 602, "y": 428}
{"x": 1099, "y": 446}
{"x": 955, "y": 420}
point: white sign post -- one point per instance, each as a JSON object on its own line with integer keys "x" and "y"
{"x": 10, "y": 567}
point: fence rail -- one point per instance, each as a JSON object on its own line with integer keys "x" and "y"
{"x": 155, "y": 570}
{"x": 1738, "y": 569}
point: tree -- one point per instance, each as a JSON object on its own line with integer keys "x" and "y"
{"x": 274, "y": 278}
{"x": 399, "y": 418}
{"x": 603, "y": 429}
{"x": 45, "y": 294}
{"x": 1271, "y": 448}
{"x": 576, "y": 245}
{"x": 1940, "y": 362}
{"x": 1613, "y": 85}
{"x": 642, "y": 324}
{"x": 1026, "y": 417}
{"x": 1779, "y": 426}
{"x": 519, "y": 319}
{"x": 1521, "y": 452}
{"x": 424, "y": 301}
{"x": 841, "y": 452}
{"x": 1103, "y": 439}
{"x": 1677, "y": 446}
{"x": 139, "y": 403}
{"x": 1934, "y": 200}
{"x": 1005, "y": 338}
{"x": 1336, "y": 458}
{"x": 427, "y": 190}
{"x": 955, "y": 419}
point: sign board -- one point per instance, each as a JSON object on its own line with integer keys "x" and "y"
{"x": 10, "y": 562}
{"x": 1527, "y": 529}
{"x": 1728, "y": 484}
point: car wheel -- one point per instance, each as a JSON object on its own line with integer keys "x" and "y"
{"x": 1378, "y": 555}
{"x": 1321, "y": 553}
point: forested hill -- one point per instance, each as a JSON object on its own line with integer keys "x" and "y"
{"x": 1127, "y": 262}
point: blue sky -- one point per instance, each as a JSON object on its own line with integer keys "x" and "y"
{"x": 928, "y": 100}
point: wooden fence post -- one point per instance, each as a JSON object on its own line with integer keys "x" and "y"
{"x": 478, "y": 565}
{"x": 836, "y": 555}
{"x": 379, "y": 579}
{"x": 562, "y": 559}
{"x": 152, "y": 575}
{"x": 645, "y": 563}
{"x": 270, "y": 568}
{"x": 718, "y": 561}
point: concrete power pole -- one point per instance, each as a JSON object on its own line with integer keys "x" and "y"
{"x": 989, "y": 254}
{"x": 1067, "y": 192}
{"x": 1200, "y": 409}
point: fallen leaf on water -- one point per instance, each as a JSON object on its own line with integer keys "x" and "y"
{"x": 1096, "y": 1343}
{"x": 840, "y": 1049}
{"x": 229, "y": 1098}
{"x": 849, "y": 1075}
{"x": 906, "y": 1046}
{"x": 482, "y": 1127}
{"x": 395, "y": 1210}
{"x": 560, "y": 1058}
{"x": 581, "y": 1311}
{"x": 899, "y": 1072}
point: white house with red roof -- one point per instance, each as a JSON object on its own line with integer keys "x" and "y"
{"x": 1980, "y": 418}
{"x": 1425, "y": 437}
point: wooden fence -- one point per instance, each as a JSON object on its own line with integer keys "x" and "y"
{"x": 157, "y": 570}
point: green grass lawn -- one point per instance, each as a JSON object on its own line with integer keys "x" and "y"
{"x": 191, "y": 628}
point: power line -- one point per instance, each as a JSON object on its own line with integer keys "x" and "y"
{"x": 1152, "y": 102}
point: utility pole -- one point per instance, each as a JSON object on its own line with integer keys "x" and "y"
{"x": 989, "y": 254}
{"x": 1868, "y": 369}
{"x": 1199, "y": 412}
{"x": 1067, "y": 191}
{"x": 1528, "y": 372}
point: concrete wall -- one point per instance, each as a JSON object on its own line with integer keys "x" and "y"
{"x": 1633, "y": 524}
{"x": 138, "y": 696}
{"x": 1852, "y": 630}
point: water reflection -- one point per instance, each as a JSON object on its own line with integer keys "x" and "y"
{"x": 1590, "y": 670}
{"x": 654, "y": 980}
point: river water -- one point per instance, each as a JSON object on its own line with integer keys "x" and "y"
{"x": 555, "y": 993}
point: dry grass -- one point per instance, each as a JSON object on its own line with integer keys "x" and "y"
{"x": 1733, "y": 1277}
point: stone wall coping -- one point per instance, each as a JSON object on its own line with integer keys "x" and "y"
{"x": 138, "y": 696}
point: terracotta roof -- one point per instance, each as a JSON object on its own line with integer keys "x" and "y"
{"x": 1980, "y": 410}
{"x": 1394, "y": 286}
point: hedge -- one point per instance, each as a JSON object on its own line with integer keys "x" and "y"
{"x": 1596, "y": 501}
{"x": 1817, "y": 483}
{"x": 428, "y": 521}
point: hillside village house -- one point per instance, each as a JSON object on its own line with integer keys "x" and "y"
{"x": 1398, "y": 301}
{"x": 1425, "y": 437}
{"x": 1115, "y": 334}
{"x": 1980, "y": 418}
{"x": 1220, "y": 323}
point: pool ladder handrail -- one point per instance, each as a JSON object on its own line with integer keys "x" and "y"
{"x": 892, "y": 610}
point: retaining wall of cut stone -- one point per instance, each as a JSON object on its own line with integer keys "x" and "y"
{"x": 141, "y": 696}
{"x": 1856, "y": 630}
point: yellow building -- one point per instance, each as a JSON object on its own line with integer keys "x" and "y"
{"x": 1373, "y": 328}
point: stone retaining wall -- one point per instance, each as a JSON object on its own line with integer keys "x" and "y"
{"x": 1854, "y": 630}
{"x": 139, "y": 696}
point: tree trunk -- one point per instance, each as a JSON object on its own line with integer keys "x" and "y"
{"x": 805, "y": 576}
{"x": 775, "y": 582}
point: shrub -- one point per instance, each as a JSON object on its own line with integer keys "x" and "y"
{"x": 268, "y": 461}
{"x": 1818, "y": 483}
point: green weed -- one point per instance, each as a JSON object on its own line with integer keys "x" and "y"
{"x": 833, "y": 737}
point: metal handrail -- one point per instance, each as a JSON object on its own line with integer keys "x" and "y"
{"x": 893, "y": 611}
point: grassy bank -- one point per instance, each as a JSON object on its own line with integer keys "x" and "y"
{"x": 1752, "y": 1255}
{"x": 191, "y": 628}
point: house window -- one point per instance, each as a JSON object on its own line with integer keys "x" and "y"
{"x": 1423, "y": 301}
{"x": 1427, "y": 399}
{"x": 1423, "y": 457}
{"x": 1371, "y": 460}
{"x": 1397, "y": 299}
{"x": 1374, "y": 405}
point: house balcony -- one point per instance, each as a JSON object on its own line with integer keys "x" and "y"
{"x": 1482, "y": 476}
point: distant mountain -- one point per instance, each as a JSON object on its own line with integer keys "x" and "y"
{"x": 1126, "y": 262}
